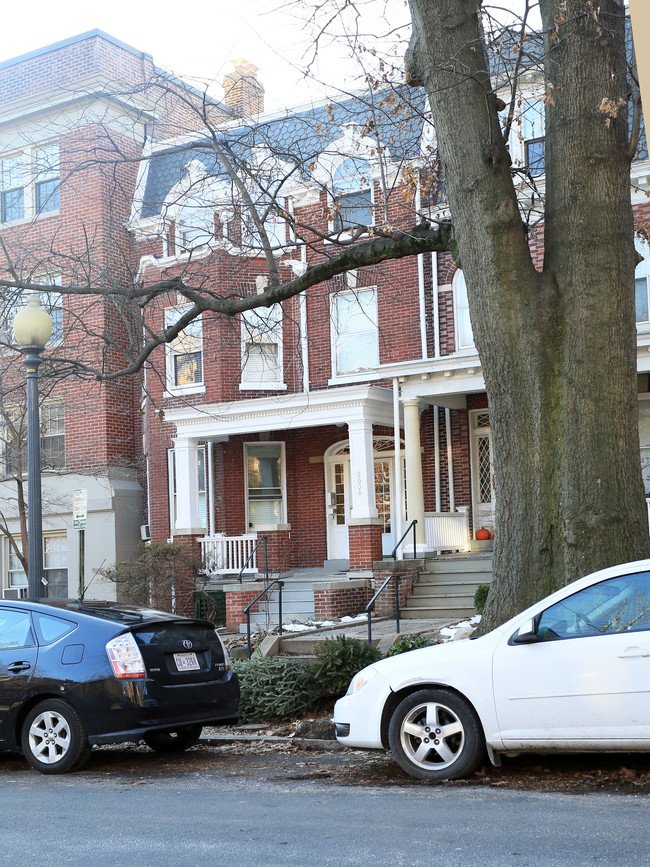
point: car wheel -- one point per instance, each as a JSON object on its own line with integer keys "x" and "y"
{"x": 173, "y": 740}
{"x": 54, "y": 738}
{"x": 435, "y": 734}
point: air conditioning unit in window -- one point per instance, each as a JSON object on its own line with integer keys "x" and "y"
{"x": 145, "y": 533}
{"x": 14, "y": 593}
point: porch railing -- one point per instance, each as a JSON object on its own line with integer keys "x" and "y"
{"x": 447, "y": 531}
{"x": 229, "y": 555}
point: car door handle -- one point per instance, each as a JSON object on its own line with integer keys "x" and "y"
{"x": 17, "y": 667}
{"x": 631, "y": 652}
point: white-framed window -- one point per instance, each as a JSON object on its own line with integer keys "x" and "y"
{"x": 185, "y": 354}
{"x": 265, "y": 484}
{"x": 52, "y": 418}
{"x": 16, "y": 576}
{"x": 261, "y": 334}
{"x": 202, "y": 486}
{"x": 194, "y": 224}
{"x": 641, "y": 285}
{"x": 355, "y": 333}
{"x": 30, "y": 183}
{"x": 47, "y": 196}
{"x": 53, "y": 434}
{"x": 463, "y": 325}
{"x": 352, "y": 194}
{"x": 55, "y": 565}
{"x": 12, "y": 177}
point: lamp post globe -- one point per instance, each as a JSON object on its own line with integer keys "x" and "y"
{"x": 32, "y": 330}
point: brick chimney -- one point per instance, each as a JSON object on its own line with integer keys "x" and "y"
{"x": 244, "y": 94}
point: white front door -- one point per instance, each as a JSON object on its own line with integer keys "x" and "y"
{"x": 338, "y": 507}
{"x": 384, "y": 486}
{"x": 482, "y": 470}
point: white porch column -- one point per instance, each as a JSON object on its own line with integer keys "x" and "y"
{"x": 362, "y": 471}
{"x": 188, "y": 522}
{"x": 413, "y": 454}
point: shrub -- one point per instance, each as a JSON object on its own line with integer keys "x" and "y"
{"x": 480, "y": 597}
{"x": 338, "y": 660}
{"x": 409, "y": 642}
{"x": 275, "y": 688}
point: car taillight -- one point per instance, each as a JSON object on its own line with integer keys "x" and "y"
{"x": 125, "y": 657}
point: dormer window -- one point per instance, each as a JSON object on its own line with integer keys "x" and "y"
{"x": 194, "y": 225}
{"x": 352, "y": 192}
{"x": 275, "y": 227}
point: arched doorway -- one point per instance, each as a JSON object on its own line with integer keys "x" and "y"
{"x": 337, "y": 499}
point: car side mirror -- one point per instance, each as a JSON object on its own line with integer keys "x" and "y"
{"x": 526, "y": 634}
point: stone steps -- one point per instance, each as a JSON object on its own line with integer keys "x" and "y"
{"x": 447, "y": 586}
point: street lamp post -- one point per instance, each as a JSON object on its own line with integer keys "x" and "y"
{"x": 32, "y": 330}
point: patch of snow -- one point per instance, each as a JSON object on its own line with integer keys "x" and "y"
{"x": 460, "y": 630}
{"x": 357, "y": 617}
{"x": 297, "y": 627}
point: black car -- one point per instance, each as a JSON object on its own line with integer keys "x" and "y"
{"x": 74, "y": 674}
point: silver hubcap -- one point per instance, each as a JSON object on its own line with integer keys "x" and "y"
{"x": 432, "y": 736}
{"x": 49, "y": 737}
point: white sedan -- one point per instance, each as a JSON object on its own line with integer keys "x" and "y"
{"x": 571, "y": 673}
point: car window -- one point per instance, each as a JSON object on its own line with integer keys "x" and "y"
{"x": 620, "y": 604}
{"x": 15, "y": 629}
{"x": 49, "y": 628}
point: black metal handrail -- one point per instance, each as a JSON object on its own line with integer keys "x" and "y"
{"x": 404, "y": 535}
{"x": 371, "y": 604}
{"x": 252, "y": 554}
{"x": 247, "y": 610}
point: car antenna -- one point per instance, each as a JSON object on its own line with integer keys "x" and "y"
{"x": 80, "y": 598}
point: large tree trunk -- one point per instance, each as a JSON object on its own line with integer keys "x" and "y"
{"x": 558, "y": 347}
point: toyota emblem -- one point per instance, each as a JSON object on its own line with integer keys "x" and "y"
{"x": 187, "y": 644}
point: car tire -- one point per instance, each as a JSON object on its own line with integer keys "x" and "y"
{"x": 173, "y": 740}
{"x": 435, "y": 734}
{"x": 53, "y": 738}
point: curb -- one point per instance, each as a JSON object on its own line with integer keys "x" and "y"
{"x": 304, "y": 743}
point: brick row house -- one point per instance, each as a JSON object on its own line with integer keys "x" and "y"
{"x": 324, "y": 425}
{"x": 73, "y": 117}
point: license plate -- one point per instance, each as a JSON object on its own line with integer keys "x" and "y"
{"x": 186, "y": 662}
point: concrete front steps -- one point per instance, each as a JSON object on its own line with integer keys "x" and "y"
{"x": 447, "y": 586}
{"x": 297, "y": 605}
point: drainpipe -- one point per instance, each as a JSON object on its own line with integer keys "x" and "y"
{"x": 304, "y": 343}
{"x": 436, "y": 306}
{"x": 211, "y": 510}
{"x": 450, "y": 461}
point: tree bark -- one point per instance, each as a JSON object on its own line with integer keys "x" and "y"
{"x": 557, "y": 346}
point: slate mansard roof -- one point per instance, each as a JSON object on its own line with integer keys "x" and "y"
{"x": 391, "y": 119}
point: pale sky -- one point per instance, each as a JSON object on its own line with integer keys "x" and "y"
{"x": 196, "y": 39}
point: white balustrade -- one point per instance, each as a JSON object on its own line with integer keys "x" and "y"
{"x": 228, "y": 554}
{"x": 447, "y": 531}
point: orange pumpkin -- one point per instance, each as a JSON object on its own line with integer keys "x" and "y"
{"x": 482, "y": 534}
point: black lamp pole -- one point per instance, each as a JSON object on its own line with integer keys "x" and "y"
{"x": 32, "y": 330}
{"x": 35, "y": 587}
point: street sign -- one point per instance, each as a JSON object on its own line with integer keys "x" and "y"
{"x": 79, "y": 509}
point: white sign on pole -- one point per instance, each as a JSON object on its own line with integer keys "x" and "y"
{"x": 79, "y": 509}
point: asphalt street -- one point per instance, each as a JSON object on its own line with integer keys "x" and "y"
{"x": 132, "y": 807}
